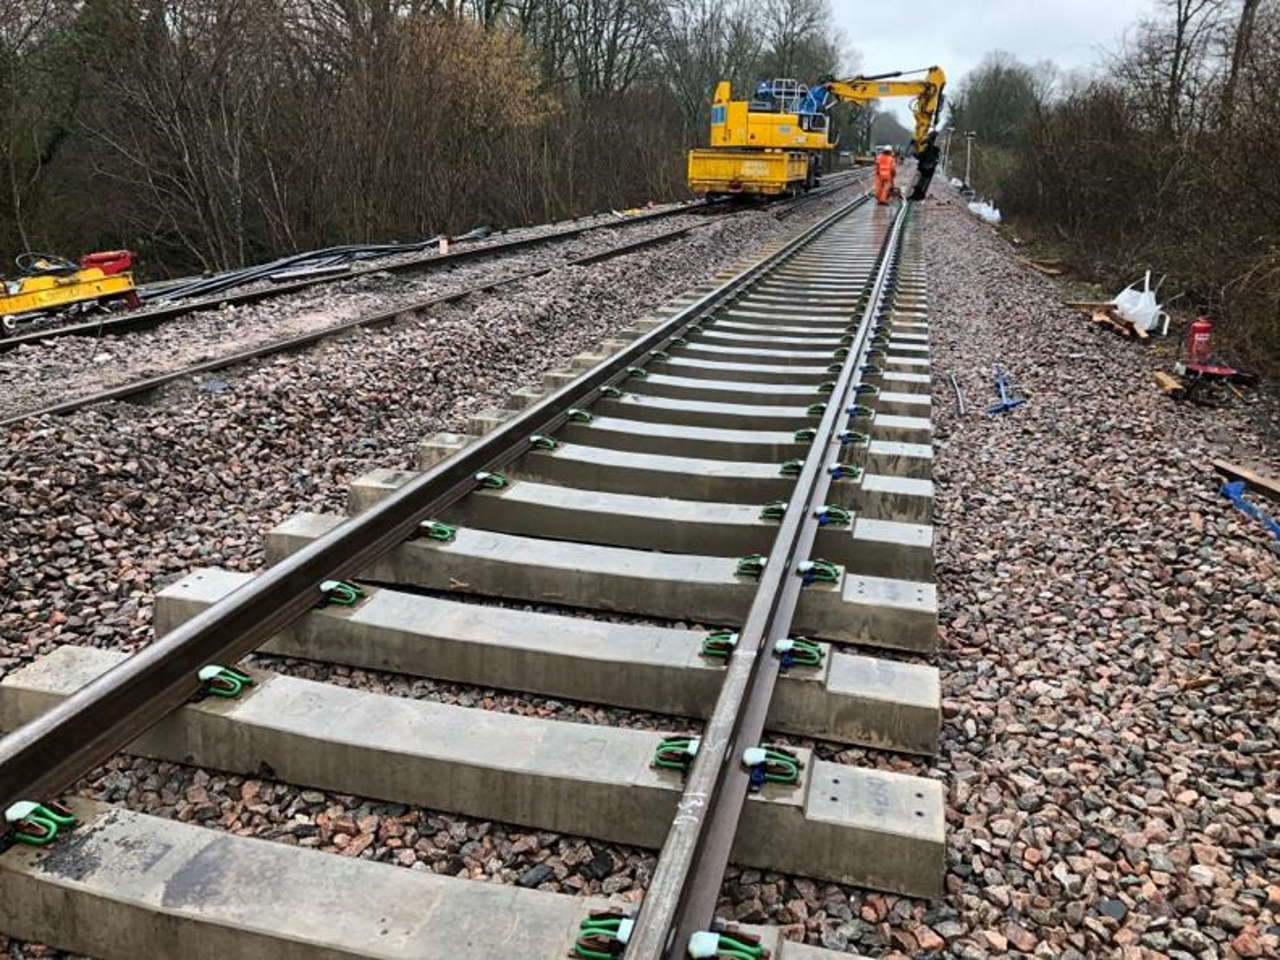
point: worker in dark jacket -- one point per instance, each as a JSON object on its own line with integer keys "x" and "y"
{"x": 926, "y": 163}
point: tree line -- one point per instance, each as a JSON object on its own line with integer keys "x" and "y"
{"x": 212, "y": 133}
{"x": 1162, "y": 160}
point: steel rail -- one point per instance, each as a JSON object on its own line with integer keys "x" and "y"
{"x": 143, "y": 319}
{"x": 682, "y": 895}
{"x": 44, "y": 757}
{"x": 304, "y": 339}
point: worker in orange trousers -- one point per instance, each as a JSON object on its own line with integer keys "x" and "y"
{"x": 886, "y": 169}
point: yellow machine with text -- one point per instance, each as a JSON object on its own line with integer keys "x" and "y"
{"x": 48, "y": 284}
{"x": 770, "y": 144}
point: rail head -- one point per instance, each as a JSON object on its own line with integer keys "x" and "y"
{"x": 682, "y": 895}
{"x": 44, "y": 757}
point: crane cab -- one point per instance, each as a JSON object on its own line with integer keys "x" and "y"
{"x": 762, "y": 145}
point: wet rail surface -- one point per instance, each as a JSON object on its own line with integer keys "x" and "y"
{"x": 754, "y": 461}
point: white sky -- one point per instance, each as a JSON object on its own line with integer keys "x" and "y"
{"x": 957, "y": 34}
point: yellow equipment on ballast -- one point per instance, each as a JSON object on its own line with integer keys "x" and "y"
{"x": 770, "y": 143}
{"x": 49, "y": 284}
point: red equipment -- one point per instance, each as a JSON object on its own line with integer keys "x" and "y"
{"x": 1199, "y": 337}
{"x": 110, "y": 262}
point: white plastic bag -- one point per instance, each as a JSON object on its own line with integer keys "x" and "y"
{"x": 1140, "y": 308}
{"x": 985, "y": 211}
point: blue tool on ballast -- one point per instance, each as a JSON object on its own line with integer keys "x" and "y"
{"x": 1004, "y": 387}
{"x": 1235, "y": 493}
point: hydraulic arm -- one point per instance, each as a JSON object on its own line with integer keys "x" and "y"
{"x": 925, "y": 107}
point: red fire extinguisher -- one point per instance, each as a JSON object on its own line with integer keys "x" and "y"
{"x": 1199, "y": 349}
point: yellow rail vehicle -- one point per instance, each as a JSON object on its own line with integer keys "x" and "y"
{"x": 770, "y": 143}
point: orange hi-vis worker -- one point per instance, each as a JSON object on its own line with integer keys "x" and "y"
{"x": 886, "y": 168}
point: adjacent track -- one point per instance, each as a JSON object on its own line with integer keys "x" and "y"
{"x": 377, "y": 318}
{"x": 757, "y": 457}
{"x": 154, "y": 316}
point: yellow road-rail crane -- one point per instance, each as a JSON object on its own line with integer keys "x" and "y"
{"x": 770, "y": 143}
{"x": 48, "y": 284}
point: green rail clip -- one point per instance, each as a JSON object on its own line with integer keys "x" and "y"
{"x": 603, "y": 935}
{"x": 835, "y": 367}
{"x": 610, "y": 391}
{"x": 773, "y": 510}
{"x": 676, "y": 753}
{"x": 860, "y": 410}
{"x": 840, "y": 353}
{"x": 826, "y": 386}
{"x": 816, "y": 409}
{"x": 818, "y": 571}
{"x": 870, "y": 370}
{"x": 866, "y": 390}
{"x": 791, "y": 468}
{"x": 435, "y": 530}
{"x": 578, "y": 415}
{"x": 540, "y": 441}
{"x": 659, "y": 355}
{"x": 733, "y": 945}
{"x": 38, "y": 824}
{"x": 805, "y": 435}
{"x": 219, "y": 681}
{"x": 830, "y": 515}
{"x": 771, "y": 765}
{"x": 679, "y": 342}
{"x": 798, "y": 652}
{"x": 637, "y": 372}
{"x": 491, "y": 480}
{"x": 341, "y": 593}
{"x": 720, "y": 644}
{"x": 751, "y": 566}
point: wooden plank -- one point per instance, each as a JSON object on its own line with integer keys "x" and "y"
{"x": 1169, "y": 385}
{"x": 1268, "y": 486}
{"x": 1048, "y": 271}
{"x": 1106, "y": 319}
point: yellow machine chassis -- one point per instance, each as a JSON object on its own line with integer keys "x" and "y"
{"x": 768, "y": 172}
{"x": 43, "y": 293}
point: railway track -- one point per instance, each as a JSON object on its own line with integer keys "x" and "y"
{"x": 754, "y": 460}
{"x": 383, "y": 316}
{"x": 421, "y": 265}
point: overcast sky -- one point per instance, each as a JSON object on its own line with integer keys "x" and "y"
{"x": 957, "y": 34}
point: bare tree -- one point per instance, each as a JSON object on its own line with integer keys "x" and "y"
{"x": 1240, "y": 46}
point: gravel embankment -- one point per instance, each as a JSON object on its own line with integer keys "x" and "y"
{"x": 100, "y": 509}
{"x": 1109, "y": 632}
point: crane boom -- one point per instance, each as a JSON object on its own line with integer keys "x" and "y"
{"x": 926, "y": 106}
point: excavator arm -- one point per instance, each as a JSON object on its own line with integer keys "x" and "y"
{"x": 926, "y": 106}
